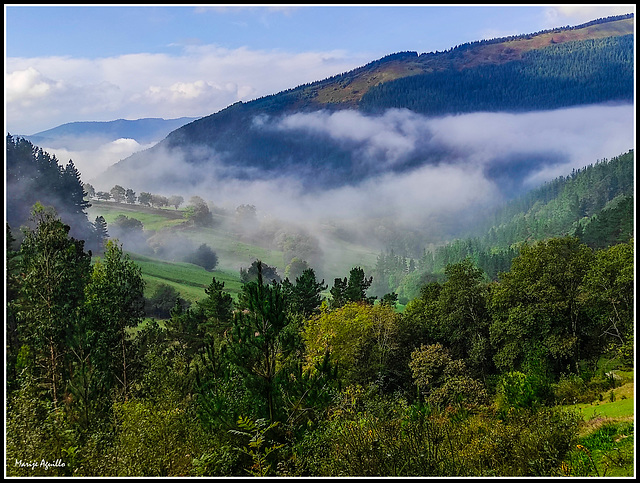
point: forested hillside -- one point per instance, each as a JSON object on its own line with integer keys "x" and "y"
{"x": 594, "y": 203}
{"x": 33, "y": 175}
{"x": 548, "y": 70}
{"x": 580, "y": 72}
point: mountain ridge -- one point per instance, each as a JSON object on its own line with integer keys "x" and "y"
{"x": 143, "y": 130}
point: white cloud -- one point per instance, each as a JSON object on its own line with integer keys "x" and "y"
{"x": 97, "y": 156}
{"x": 576, "y": 14}
{"x": 432, "y": 196}
{"x": 27, "y": 85}
{"x": 577, "y": 135}
{"x": 392, "y": 136}
{"x": 200, "y": 81}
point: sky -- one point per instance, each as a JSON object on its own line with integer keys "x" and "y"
{"x": 105, "y": 62}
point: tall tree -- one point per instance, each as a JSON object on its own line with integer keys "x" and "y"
{"x": 353, "y": 289}
{"x": 305, "y": 295}
{"x": 176, "y": 201}
{"x": 54, "y": 271}
{"x": 101, "y": 233}
{"x": 217, "y": 307}
{"x": 115, "y": 301}
{"x": 130, "y": 196}
{"x": 607, "y": 294}
{"x": 259, "y": 340}
{"x": 535, "y": 307}
{"x": 463, "y": 319}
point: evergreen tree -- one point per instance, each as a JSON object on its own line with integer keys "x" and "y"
{"x": 101, "y": 233}
{"x": 352, "y": 289}
{"x": 259, "y": 341}
{"x": 305, "y": 295}
{"x": 217, "y": 307}
{"x": 54, "y": 271}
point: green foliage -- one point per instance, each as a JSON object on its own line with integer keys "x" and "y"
{"x": 260, "y": 341}
{"x": 36, "y": 432}
{"x": 101, "y": 233}
{"x": 613, "y": 224}
{"x": 390, "y": 438}
{"x": 268, "y": 274}
{"x": 198, "y": 212}
{"x": 580, "y": 72}
{"x": 350, "y": 290}
{"x": 444, "y": 380}
{"x": 608, "y": 293}
{"x": 606, "y": 452}
{"x": 164, "y": 298}
{"x": 154, "y": 439}
{"x": 571, "y": 389}
{"x": 203, "y": 256}
{"x": 114, "y": 302}
{"x": 361, "y": 339}
{"x": 217, "y": 307}
{"x": 514, "y": 392}
{"x": 305, "y": 295}
{"x": 187, "y": 328}
{"x": 54, "y": 270}
{"x": 537, "y": 303}
{"x": 260, "y": 456}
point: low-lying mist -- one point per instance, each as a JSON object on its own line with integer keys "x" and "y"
{"x": 429, "y": 178}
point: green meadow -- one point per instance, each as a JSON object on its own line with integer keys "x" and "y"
{"x": 232, "y": 250}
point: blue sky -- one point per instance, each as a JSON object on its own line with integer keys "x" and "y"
{"x": 99, "y": 63}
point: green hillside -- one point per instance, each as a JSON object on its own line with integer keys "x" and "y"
{"x": 163, "y": 227}
{"x": 594, "y": 203}
{"x": 587, "y": 64}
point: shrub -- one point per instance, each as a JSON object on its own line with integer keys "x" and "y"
{"x": 204, "y": 256}
{"x": 162, "y": 301}
{"x": 571, "y": 389}
{"x": 514, "y": 391}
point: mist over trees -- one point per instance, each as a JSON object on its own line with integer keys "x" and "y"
{"x": 33, "y": 175}
{"x": 441, "y": 357}
{"x": 464, "y": 356}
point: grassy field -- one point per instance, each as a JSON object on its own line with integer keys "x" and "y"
{"x": 233, "y": 251}
{"x": 153, "y": 219}
{"x": 188, "y": 279}
{"x": 606, "y": 440}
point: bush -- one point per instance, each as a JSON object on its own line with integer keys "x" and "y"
{"x": 204, "y": 256}
{"x": 571, "y": 389}
{"x": 514, "y": 391}
{"x": 162, "y": 301}
{"x": 155, "y": 439}
{"x": 424, "y": 441}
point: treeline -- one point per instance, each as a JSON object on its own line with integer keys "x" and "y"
{"x": 284, "y": 382}
{"x": 571, "y": 73}
{"x": 594, "y": 203}
{"x": 510, "y": 38}
{"x": 127, "y": 195}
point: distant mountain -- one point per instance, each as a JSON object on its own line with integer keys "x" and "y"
{"x": 84, "y": 134}
{"x": 309, "y": 133}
